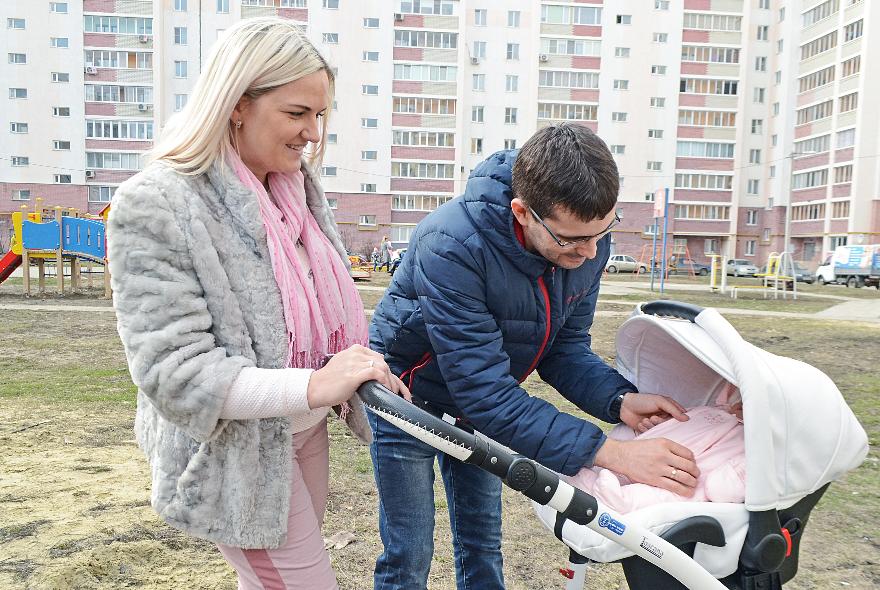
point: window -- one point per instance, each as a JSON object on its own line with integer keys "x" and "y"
{"x": 330, "y": 38}
{"x": 332, "y": 137}
{"x": 20, "y": 161}
{"x": 566, "y": 79}
{"x": 649, "y": 196}
{"x": 776, "y": 109}
{"x": 705, "y": 54}
{"x": 851, "y": 66}
{"x": 707, "y": 118}
{"x": 661, "y": 4}
{"x": 58, "y": 7}
{"x": 425, "y": 73}
{"x": 180, "y": 69}
{"x": 101, "y": 194}
{"x": 332, "y": 202}
{"x": 513, "y": 51}
{"x": 655, "y": 133}
{"x": 759, "y": 95}
{"x": 113, "y": 160}
{"x": 477, "y": 114}
{"x": 416, "y": 203}
{"x": 369, "y": 123}
{"x": 712, "y": 22}
{"x": 752, "y": 217}
{"x": 749, "y": 248}
{"x": 658, "y": 70}
{"x": 838, "y": 241}
{"x": 422, "y": 170}
{"x": 710, "y": 246}
{"x": 570, "y": 15}
{"x": 18, "y": 93}
{"x": 661, "y": 37}
{"x": 840, "y": 210}
{"x": 180, "y": 5}
{"x": 476, "y": 145}
{"x": 15, "y": 23}
{"x": 18, "y": 127}
{"x": 624, "y": 19}
{"x": 757, "y": 126}
{"x": 180, "y": 35}
{"x": 370, "y": 56}
{"x": 782, "y": 14}
{"x": 331, "y": 4}
{"x": 425, "y": 39}
{"x": 704, "y": 149}
{"x": 708, "y": 86}
{"x": 222, "y": 6}
{"x": 21, "y": 195}
{"x": 567, "y": 112}
{"x": 706, "y": 212}
{"x": 480, "y": 49}
{"x": 780, "y": 45}
{"x": 621, "y": 84}
{"x": 820, "y": 12}
{"x": 853, "y": 30}
{"x": 810, "y": 179}
{"x": 180, "y": 101}
{"x": 510, "y": 115}
{"x": 808, "y": 212}
{"x": 511, "y": 83}
{"x": 621, "y": 52}
{"x": 618, "y": 116}
{"x": 370, "y": 89}
{"x": 367, "y": 220}
{"x": 845, "y": 139}
{"x": 820, "y": 45}
{"x": 849, "y": 102}
{"x": 61, "y": 179}
{"x": 371, "y": 23}
{"x": 761, "y": 64}
{"x": 754, "y": 156}
{"x": 328, "y": 170}
{"x": 843, "y": 174}
{"x": 103, "y": 58}
{"x": 753, "y": 186}
{"x": 443, "y": 7}
{"x": 772, "y": 173}
{"x": 17, "y": 58}
{"x": 816, "y": 79}
{"x": 510, "y": 144}
{"x": 617, "y": 149}
{"x": 655, "y": 166}
{"x": 571, "y": 46}
{"x": 763, "y": 32}
{"x": 513, "y": 18}
{"x": 704, "y": 181}
{"x": 479, "y": 82}
{"x": 814, "y": 113}
{"x": 114, "y": 129}
{"x": 368, "y": 187}
{"x": 480, "y": 17}
{"x": 658, "y": 102}
{"x": 369, "y": 155}
{"x": 61, "y": 145}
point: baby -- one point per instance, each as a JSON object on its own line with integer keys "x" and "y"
{"x": 713, "y": 434}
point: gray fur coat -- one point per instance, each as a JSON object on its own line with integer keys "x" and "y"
{"x": 196, "y": 301}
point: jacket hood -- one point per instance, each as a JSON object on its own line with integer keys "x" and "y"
{"x": 487, "y": 202}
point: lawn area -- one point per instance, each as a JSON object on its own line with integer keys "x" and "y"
{"x": 74, "y": 488}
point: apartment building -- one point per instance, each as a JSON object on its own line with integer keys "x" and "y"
{"x": 750, "y": 112}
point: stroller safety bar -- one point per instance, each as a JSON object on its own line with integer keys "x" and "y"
{"x": 537, "y": 483}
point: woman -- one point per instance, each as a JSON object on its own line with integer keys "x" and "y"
{"x": 232, "y": 290}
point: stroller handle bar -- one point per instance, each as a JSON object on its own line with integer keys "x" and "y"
{"x": 535, "y": 482}
{"x": 674, "y": 309}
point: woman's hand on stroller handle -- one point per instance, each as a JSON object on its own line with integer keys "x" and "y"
{"x": 658, "y": 462}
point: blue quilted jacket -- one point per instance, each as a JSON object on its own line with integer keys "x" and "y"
{"x": 471, "y": 313}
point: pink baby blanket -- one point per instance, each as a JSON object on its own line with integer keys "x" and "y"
{"x": 714, "y": 436}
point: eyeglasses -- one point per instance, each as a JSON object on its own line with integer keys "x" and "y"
{"x": 575, "y": 242}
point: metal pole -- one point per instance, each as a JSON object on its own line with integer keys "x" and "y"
{"x": 665, "y": 226}
{"x": 654, "y": 253}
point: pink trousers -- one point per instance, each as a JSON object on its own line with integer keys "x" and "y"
{"x": 301, "y": 563}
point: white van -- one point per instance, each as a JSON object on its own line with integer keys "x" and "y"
{"x": 825, "y": 272}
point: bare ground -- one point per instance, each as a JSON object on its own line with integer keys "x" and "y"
{"x": 74, "y": 488}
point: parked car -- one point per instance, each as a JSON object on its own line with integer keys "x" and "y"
{"x": 396, "y": 262}
{"x": 803, "y": 274}
{"x": 741, "y": 268}
{"x": 687, "y": 266}
{"x": 624, "y": 263}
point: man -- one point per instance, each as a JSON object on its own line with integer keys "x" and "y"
{"x": 498, "y": 283}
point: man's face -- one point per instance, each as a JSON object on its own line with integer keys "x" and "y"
{"x": 566, "y": 226}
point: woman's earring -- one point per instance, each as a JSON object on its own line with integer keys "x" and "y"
{"x": 238, "y": 124}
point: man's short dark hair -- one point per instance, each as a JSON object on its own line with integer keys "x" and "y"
{"x": 567, "y": 166}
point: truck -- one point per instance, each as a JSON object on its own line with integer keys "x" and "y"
{"x": 857, "y": 266}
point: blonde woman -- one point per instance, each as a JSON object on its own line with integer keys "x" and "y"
{"x": 232, "y": 290}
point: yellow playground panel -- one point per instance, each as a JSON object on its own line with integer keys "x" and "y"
{"x": 779, "y": 278}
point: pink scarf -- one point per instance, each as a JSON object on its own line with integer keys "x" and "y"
{"x": 321, "y": 320}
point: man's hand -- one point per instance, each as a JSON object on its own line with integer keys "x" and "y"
{"x": 643, "y": 411}
{"x": 658, "y": 462}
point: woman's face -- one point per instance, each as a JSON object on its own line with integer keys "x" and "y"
{"x": 277, "y": 126}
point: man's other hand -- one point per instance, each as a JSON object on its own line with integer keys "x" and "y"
{"x": 643, "y": 411}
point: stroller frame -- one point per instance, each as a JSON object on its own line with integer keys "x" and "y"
{"x": 769, "y": 557}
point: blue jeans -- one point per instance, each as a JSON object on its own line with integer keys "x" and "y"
{"x": 404, "y": 470}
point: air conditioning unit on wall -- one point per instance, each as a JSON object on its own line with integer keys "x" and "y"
{"x": 91, "y": 70}
{"x": 90, "y": 173}
{"x": 475, "y": 60}
{"x": 143, "y": 107}
{"x": 398, "y": 16}
{"x": 543, "y": 57}
{"x": 144, "y": 38}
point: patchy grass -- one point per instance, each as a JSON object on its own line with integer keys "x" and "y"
{"x": 74, "y": 491}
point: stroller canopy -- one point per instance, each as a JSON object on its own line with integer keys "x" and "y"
{"x": 799, "y": 432}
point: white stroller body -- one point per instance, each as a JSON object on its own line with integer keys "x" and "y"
{"x": 799, "y": 434}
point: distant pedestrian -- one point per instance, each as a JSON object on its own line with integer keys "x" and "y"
{"x": 385, "y": 253}
{"x": 374, "y": 258}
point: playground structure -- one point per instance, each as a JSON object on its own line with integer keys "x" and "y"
{"x": 56, "y": 235}
{"x": 779, "y": 278}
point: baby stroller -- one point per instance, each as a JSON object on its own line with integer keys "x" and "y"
{"x": 790, "y": 460}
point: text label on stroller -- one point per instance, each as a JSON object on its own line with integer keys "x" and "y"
{"x": 607, "y": 522}
{"x": 651, "y": 548}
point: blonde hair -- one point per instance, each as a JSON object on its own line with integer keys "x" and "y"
{"x": 250, "y": 59}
